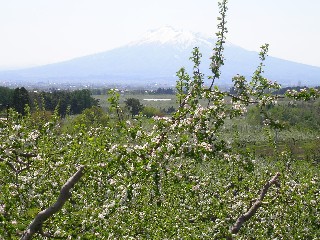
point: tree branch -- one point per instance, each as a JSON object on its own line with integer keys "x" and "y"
{"x": 240, "y": 99}
{"x": 9, "y": 164}
{"x": 36, "y": 225}
{"x": 257, "y": 203}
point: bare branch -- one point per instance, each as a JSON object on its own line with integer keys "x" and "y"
{"x": 36, "y": 224}
{"x": 28, "y": 155}
{"x": 257, "y": 203}
{"x": 9, "y": 164}
{"x": 25, "y": 155}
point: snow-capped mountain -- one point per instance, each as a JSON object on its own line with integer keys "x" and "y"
{"x": 170, "y": 36}
{"x": 156, "y": 57}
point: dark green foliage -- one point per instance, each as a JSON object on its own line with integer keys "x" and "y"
{"x": 134, "y": 106}
{"x": 152, "y": 112}
{"x": 74, "y": 102}
{"x": 171, "y": 110}
{"x": 20, "y": 100}
{"x": 80, "y": 100}
{"x": 6, "y": 97}
{"x": 57, "y": 99}
{"x": 165, "y": 91}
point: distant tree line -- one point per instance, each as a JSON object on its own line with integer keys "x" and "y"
{"x": 6, "y": 96}
{"x": 15, "y": 98}
{"x": 99, "y": 91}
{"x": 165, "y": 91}
{"x": 297, "y": 88}
{"x": 282, "y": 90}
{"x": 104, "y": 91}
{"x": 73, "y": 102}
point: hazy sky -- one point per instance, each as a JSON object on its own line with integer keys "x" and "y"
{"x": 36, "y": 32}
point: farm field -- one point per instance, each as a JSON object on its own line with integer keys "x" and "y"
{"x": 103, "y": 100}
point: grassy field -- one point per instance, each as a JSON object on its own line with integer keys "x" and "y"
{"x": 103, "y": 100}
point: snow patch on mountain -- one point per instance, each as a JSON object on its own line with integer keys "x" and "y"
{"x": 168, "y": 35}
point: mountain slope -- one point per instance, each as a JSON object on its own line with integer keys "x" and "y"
{"x": 156, "y": 57}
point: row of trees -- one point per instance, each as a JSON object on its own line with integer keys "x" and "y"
{"x": 104, "y": 91}
{"x": 16, "y": 98}
{"x": 68, "y": 102}
{"x": 73, "y": 102}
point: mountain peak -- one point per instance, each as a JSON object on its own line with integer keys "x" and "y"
{"x": 169, "y": 35}
{"x": 155, "y": 58}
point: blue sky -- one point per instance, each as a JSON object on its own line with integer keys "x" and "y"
{"x": 36, "y": 32}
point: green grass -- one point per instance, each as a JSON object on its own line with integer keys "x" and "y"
{"x": 156, "y": 104}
